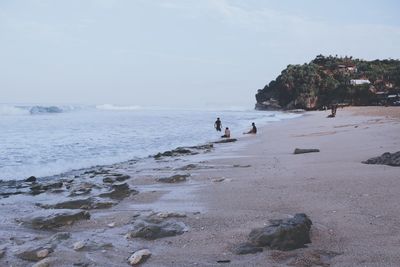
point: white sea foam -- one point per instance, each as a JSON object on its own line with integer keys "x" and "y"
{"x": 8, "y": 110}
{"x": 115, "y": 107}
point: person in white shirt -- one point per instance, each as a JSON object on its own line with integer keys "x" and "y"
{"x": 227, "y": 133}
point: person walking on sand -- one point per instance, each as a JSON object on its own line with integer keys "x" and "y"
{"x": 253, "y": 129}
{"x": 218, "y": 125}
{"x": 227, "y": 133}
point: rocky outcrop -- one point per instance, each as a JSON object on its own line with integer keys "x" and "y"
{"x": 285, "y": 234}
{"x": 119, "y": 191}
{"x": 391, "y": 159}
{"x": 174, "y": 179}
{"x": 176, "y": 152}
{"x": 223, "y": 141}
{"x": 50, "y": 219}
{"x": 84, "y": 203}
{"x": 34, "y": 254}
{"x": 305, "y": 150}
{"x": 246, "y": 248}
{"x": 154, "y": 229}
{"x": 38, "y": 188}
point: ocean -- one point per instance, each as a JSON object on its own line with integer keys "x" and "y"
{"x": 48, "y": 140}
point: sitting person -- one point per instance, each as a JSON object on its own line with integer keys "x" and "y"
{"x": 227, "y": 133}
{"x": 253, "y": 129}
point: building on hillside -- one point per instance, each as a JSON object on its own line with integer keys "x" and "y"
{"x": 359, "y": 81}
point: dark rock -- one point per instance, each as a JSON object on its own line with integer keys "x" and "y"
{"x": 174, "y": 179}
{"x": 108, "y": 180}
{"x": 41, "y": 188}
{"x": 2, "y": 251}
{"x": 34, "y": 254}
{"x": 31, "y": 179}
{"x": 246, "y": 248}
{"x": 116, "y": 178}
{"x": 229, "y": 140}
{"x": 80, "y": 189}
{"x": 302, "y": 151}
{"x": 187, "y": 167}
{"x": 286, "y": 234}
{"x": 52, "y": 219}
{"x": 85, "y": 203}
{"x": 119, "y": 191}
{"x": 58, "y": 237}
{"x": 13, "y": 187}
{"x": 391, "y": 159}
{"x": 153, "y": 230}
{"x": 202, "y": 147}
{"x": 176, "y": 152}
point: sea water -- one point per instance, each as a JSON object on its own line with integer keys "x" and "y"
{"x": 48, "y": 140}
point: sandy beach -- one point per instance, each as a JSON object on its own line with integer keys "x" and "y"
{"x": 234, "y": 188}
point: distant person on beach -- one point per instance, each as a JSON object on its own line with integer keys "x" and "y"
{"x": 253, "y": 129}
{"x": 333, "y": 110}
{"x": 227, "y": 133}
{"x": 218, "y": 125}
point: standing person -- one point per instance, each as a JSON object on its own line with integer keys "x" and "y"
{"x": 253, "y": 129}
{"x": 218, "y": 125}
{"x": 227, "y": 133}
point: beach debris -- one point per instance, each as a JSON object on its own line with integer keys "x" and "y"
{"x": 305, "y": 150}
{"x": 387, "y": 158}
{"x": 174, "y": 178}
{"x": 246, "y": 248}
{"x": 78, "y": 245}
{"x": 284, "y": 234}
{"x": 34, "y": 254}
{"x": 84, "y": 203}
{"x": 223, "y": 261}
{"x": 228, "y": 140}
{"x": 139, "y": 257}
{"x": 49, "y": 219}
{"x": 241, "y": 166}
{"x": 152, "y": 229}
{"x": 119, "y": 191}
{"x": 43, "y": 263}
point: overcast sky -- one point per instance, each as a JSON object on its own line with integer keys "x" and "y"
{"x": 177, "y": 53}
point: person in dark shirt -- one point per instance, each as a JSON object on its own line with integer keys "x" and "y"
{"x": 253, "y": 129}
{"x": 218, "y": 125}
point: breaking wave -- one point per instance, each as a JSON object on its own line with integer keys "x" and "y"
{"x": 9, "y": 110}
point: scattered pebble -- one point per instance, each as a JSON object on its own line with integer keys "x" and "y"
{"x": 139, "y": 256}
{"x": 79, "y": 245}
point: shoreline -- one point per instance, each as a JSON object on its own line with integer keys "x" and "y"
{"x": 235, "y": 189}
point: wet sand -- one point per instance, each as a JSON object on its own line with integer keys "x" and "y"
{"x": 239, "y": 186}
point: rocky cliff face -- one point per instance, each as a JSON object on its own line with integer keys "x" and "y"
{"x": 327, "y": 80}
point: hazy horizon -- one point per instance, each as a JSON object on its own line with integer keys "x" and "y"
{"x": 177, "y": 53}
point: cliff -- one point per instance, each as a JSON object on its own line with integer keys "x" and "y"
{"x": 327, "y": 80}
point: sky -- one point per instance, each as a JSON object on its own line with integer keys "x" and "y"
{"x": 177, "y": 53}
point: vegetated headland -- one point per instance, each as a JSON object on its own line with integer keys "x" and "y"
{"x": 333, "y": 80}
